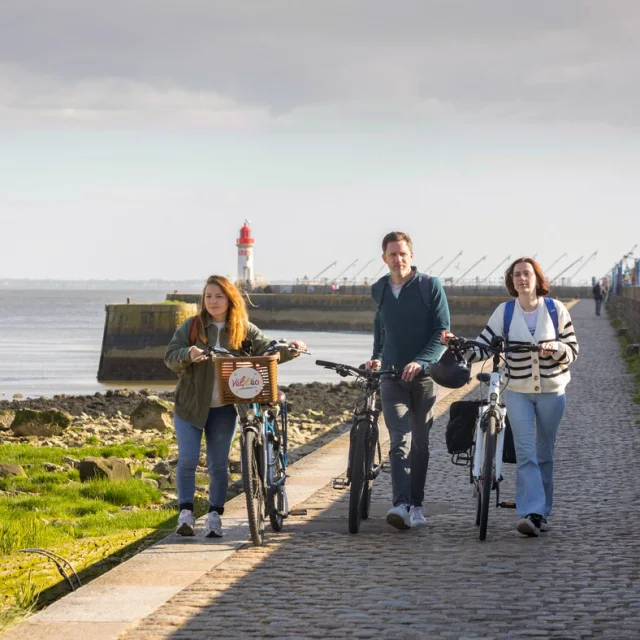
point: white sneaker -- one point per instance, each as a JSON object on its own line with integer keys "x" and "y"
{"x": 213, "y": 526}
{"x": 416, "y": 516}
{"x": 398, "y": 517}
{"x": 186, "y": 523}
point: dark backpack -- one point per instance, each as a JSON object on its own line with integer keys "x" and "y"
{"x": 508, "y": 316}
{"x": 424, "y": 284}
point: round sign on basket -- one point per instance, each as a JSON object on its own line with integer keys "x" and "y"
{"x": 245, "y": 382}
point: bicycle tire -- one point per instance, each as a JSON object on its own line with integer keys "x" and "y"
{"x": 368, "y": 485}
{"x": 359, "y": 473}
{"x": 276, "y": 505}
{"x": 253, "y": 489}
{"x": 487, "y": 473}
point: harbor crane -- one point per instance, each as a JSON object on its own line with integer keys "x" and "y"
{"x": 345, "y": 270}
{"x": 363, "y": 268}
{"x": 573, "y": 264}
{"x": 450, "y": 263}
{"x": 584, "y": 264}
{"x": 469, "y": 269}
{"x": 497, "y": 267}
{"x": 333, "y": 264}
{"x": 553, "y": 264}
{"x": 433, "y": 264}
{"x": 377, "y": 273}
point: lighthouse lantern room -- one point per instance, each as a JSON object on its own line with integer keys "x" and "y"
{"x": 245, "y": 256}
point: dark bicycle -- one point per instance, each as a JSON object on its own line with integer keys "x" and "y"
{"x": 365, "y": 455}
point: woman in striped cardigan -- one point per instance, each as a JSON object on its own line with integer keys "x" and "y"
{"x": 535, "y": 395}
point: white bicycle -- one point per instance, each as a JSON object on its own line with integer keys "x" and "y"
{"x": 488, "y": 446}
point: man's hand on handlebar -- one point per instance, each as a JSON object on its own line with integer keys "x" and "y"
{"x": 411, "y": 371}
{"x": 372, "y": 365}
{"x": 445, "y": 336}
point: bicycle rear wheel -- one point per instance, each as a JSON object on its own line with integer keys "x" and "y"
{"x": 253, "y": 490}
{"x": 359, "y": 474}
{"x": 487, "y": 474}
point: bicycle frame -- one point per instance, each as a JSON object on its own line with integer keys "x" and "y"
{"x": 491, "y": 405}
{"x": 365, "y": 410}
{"x": 261, "y": 420}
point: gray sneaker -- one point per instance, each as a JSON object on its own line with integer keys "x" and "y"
{"x": 530, "y": 525}
{"x": 186, "y": 523}
{"x": 544, "y": 525}
{"x": 416, "y": 516}
{"x": 399, "y": 517}
{"x": 213, "y": 526}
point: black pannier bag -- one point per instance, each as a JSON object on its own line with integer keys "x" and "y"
{"x": 462, "y": 420}
{"x": 509, "y": 447}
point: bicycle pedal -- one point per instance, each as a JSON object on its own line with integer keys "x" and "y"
{"x": 235, "y": 466}
{"x": 298, "y": 512}
{"x": 339, "y": 483}
{"x": 507, "y": 504}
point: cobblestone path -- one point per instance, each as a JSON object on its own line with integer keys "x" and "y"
{"x": 580, "y": 580}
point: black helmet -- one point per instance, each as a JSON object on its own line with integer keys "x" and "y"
{"x": 451, "y": 371}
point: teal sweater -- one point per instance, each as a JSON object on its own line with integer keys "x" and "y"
{"x": 405, "y": 330}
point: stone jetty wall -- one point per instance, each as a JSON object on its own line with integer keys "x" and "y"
{"x": 136, "y": 337}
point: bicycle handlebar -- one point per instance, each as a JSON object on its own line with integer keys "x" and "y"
{"x": 462, "y": 344}
{"x": 346, "y": 369}
{"x": 271, "y": 348}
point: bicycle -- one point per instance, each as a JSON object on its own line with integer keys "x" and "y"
{"x": 488, "y": 442}
{"x": 263, "y": 435}
{"x": 365, "y": 455}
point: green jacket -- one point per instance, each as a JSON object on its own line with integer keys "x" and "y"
{"x": 195, "y": 379}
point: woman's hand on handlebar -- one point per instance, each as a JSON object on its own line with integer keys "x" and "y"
{"x": 372, "y": 365}
{"x": 299, "y": 345}
{"x": 548, "y": 348}
{"x": 197, "y": 355}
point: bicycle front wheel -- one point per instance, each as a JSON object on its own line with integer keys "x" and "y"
{"x": 253, "y": 489}
{"x": 487, "y": 474}
{"x": 359, "y": 474}
{"x": 277, "y": 502}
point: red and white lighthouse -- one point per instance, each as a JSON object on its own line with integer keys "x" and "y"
{"x": 245, "y": 256}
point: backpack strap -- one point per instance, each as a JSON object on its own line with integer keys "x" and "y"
{"x": 508, "y": 316}
{"x": 424, "y": 284}
{"x": 553, "y": 312}
{"x": 377, "y": 290}
{"x": 194, "y": 330}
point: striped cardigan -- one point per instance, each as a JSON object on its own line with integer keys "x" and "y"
{"x": 531, "y": 372}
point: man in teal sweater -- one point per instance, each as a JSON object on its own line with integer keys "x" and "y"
{"x": 412, "y": 313}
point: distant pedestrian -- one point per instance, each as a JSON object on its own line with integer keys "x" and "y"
{"x": 412, "y": 312}
{"x": 222, "y": 322}
{"x": 535, "y": 396}
{"x": 598, "y": 294}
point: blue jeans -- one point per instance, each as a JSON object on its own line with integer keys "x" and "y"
{"x": 534, "y": 419}
{"x": 218, "y": 433}
{"x": 408, "y": 413}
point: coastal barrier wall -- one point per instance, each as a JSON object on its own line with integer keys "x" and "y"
{"x": 136, "y": 337}
{"x": 630, "y": 310}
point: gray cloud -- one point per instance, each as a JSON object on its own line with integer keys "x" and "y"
{"x": 271, "y": 61}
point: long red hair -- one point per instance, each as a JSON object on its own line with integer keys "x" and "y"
{"x": 237, "y": 316}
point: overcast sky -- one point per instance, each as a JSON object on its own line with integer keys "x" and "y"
{"x": 136, "y": 137}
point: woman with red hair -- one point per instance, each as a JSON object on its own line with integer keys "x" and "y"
{"x": 535, "y": 392}
{"x": 222, "y": 322}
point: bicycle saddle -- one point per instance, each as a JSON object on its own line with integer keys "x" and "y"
{"x": 483, "y": 377}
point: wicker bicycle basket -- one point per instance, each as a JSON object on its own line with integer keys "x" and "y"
{"x": 266, "y": 368}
